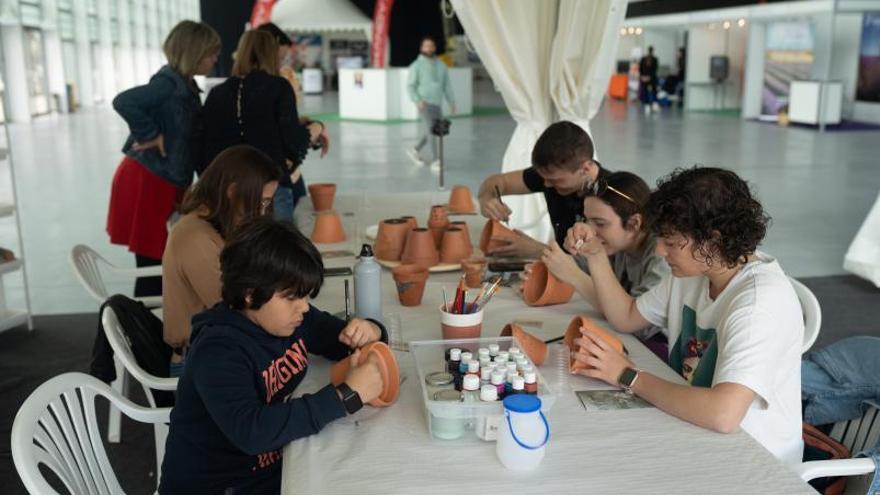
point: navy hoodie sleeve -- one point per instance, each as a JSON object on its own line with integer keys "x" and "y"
{"x": 323, "y": 335}
{"x": 136, "y": 105}
{"x": 226, "y": 386}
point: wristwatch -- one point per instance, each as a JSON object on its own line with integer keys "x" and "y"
{"x": 350, "y": 399}
{"x": 628, "y": 378}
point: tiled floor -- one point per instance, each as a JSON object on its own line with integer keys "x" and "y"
{"x": 817, "y": 187}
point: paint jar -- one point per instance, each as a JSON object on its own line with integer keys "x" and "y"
{"x": 497, "y": 379}
{"x": 493, "y": 350}
{"x": 518, "y": 385}
{"x": 447, "y": 428}
{"x": 531, "y": 380}
{"x": 465, "y": 359}
{"x": 454, "y": 360}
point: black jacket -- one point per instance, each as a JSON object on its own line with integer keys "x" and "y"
{"x": 268, "y": 120}
{"x": 234, "y": 413}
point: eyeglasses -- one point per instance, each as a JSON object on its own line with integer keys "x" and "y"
{"x": 265, "y": 204}
{"x": 599, "y": 187}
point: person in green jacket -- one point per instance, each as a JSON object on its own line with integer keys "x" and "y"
{"x": 428, "y": 84}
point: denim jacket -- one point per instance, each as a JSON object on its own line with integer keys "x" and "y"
{"x": 836, "y": 380}
{"x": 167, "y": 105}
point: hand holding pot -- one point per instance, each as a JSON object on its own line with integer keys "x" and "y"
{"x": 359, "y": 333}
{"x": 603, "y": 362}
{"x": 492, "y": 208}
{"x": 561, "y": 264}
{"x": 365, "y": 378}
{"x": 521, "y": 246}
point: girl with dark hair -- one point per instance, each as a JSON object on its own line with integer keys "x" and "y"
{"x": 237, "y": 187}
{"x": 235, "y": 408}
{"x": 734, "y": 321}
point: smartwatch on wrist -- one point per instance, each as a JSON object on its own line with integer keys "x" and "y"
{"x": 350, "y": 399}
{"x": 628, "y": 378}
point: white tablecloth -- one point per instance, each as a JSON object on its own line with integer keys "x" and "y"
{"x": 626, "y": 451}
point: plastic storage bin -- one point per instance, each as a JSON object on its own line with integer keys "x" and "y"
{"x": 448, "y": 420}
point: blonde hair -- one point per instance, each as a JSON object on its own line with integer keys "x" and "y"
{"x": 257, "y": 50}
{"x": 188, "y": 43}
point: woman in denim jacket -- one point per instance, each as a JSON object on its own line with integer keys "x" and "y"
{"x": 163, "y": 117}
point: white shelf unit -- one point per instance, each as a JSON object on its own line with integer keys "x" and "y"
{"x": 10, "y": 317}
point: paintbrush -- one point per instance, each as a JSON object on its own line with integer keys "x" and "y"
{"x": 498, "y": 196}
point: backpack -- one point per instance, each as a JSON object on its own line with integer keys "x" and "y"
{"x": 144, "y": 332}
{"x": 820, "y": 447}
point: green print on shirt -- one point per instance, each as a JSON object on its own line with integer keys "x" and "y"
{"x": 695, "y": 351}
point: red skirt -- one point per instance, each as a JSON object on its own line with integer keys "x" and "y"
{"x": 140, "y": 204}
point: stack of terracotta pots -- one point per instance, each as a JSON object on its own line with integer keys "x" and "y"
{"x": 328, "y": 227}
{"x": 574, "y": 332}
{"x": 400, "y": 239}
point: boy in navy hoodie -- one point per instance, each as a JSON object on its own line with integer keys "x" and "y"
{"x": 234, "y": 412}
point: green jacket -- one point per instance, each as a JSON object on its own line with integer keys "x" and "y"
{"x": 429, "y": 81}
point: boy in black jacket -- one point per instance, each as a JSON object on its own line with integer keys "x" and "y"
{"x": 234, "y": 413}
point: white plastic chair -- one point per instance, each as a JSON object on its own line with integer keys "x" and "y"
{"x": 87, "y": 265}
{"x": 57, "y": 427}
{"x": 857, "y": 435}
{"x": 812, "y": 313}
{"x": 122, "y": 352}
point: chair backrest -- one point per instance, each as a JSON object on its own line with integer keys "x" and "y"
{"x": 812, "y": 313}
{"x": 860, "y": 433}
{"x": 58, "y": 428}
{"x": 84, "y": 261}
{"x": 122, "y": 350}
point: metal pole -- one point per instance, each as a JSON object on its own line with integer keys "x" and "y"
{"x": 823, "y": 85}
{"x": 441, "y": 161}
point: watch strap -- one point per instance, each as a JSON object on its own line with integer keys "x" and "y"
{"x": 351, "y": 400}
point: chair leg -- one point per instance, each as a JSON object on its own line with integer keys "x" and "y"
{"x": 160, "y": 431}
{"x": 114, "y": 417}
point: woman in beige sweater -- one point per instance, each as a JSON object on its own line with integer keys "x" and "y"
{"x": 236, "y": 187}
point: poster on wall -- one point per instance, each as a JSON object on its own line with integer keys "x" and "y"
{"x": 789, "y": 57}
{"x": 868, "y": 86}
{"x": 306, "y": 51}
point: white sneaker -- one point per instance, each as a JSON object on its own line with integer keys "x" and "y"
{"x": 655, "y": 107}
{"x": 647, "y": 110}
{"x": 413, "y": 155}
{"x": 435, "y": 164}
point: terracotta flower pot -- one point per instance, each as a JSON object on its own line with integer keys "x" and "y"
{"x": 410, "y": 280}
{"x": 461, "y": 201}
{"x": 574, "y": 332}
{"x": 322, "y": 195}
{"x": 534, "y": 347}
{"x": 492, "y": 229}
{"x": 420, "y": 248}
{"x": 387, "y": 368}
{"x": 411, "y": 220}
{"x": 544, "y": 289}
{"x": 466, "y": 326}
{"x": 391, "y": 239}
{"x": 461, "y": 224}
{"x": 328, "y": 228}
{"x": 438, "y": 220}
{"x": 473, "y": 271}
{"x": 454, "y": 246}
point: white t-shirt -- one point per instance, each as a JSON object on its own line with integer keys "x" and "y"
{"x": 751, "y": 334}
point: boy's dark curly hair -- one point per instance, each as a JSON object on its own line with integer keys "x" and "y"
{"x": 712, "y": 206}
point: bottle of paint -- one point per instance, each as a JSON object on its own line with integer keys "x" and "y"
{"x": 521, "y": 363}
{"x": 483, "y": 352}
{"x": 497, "y": 379}
{"x": 518, "y": 385}
{"x": 485, "y": 362}
{"x": 465, "y": 359}
{"x": 508, "y": 383}
{"x": 485, "y": 376}
{"x": 502, "y": 357}
{"x": 470, "y": 389}
{"x": 511, "y": 367}
{"x": 488, "y": 393}
{"x": 531, "y": 382}
{"x": 514, "y": 351}
{"x": 473, "y": 368}
{"x": 454, "y": 361}
{"x": 493, "y": 350}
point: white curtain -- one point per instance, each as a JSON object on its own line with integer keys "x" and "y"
{"x": 550, "y": 59}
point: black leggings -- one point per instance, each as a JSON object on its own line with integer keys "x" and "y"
{"x": 147, "y": 286}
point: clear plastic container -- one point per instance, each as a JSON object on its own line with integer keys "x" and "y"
{"x": 429, "y": 357}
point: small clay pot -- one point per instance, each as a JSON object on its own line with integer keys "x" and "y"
{"x": 322, "y": 195}
{"x": 492, "y": 229}
{"x": 411, "y": 220}
{"x": 534, "y": 347}
{"x": 466, "y": 326}
{"x": 410, "y": 280}
{"x": 574, "y": 332}
{"x": 438, "y": 220}
{"x": 391, "y": 239}
{"x": 461, "y": 224}
{"x": 387, "y": 368}
{"x": 420, "y": 248}
{"x": 461, "y": 201}
{"x": 454, "y": 246}
{"x": 543, "y": 289}
{"x": 328, "y": 228}
{"x": 473, "y": 271}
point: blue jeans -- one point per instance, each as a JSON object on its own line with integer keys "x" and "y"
{"x": 836, "y": 380}
{"x": 285, "y": 200}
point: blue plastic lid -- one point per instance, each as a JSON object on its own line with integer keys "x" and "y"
{"x": 522, "y": 403}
